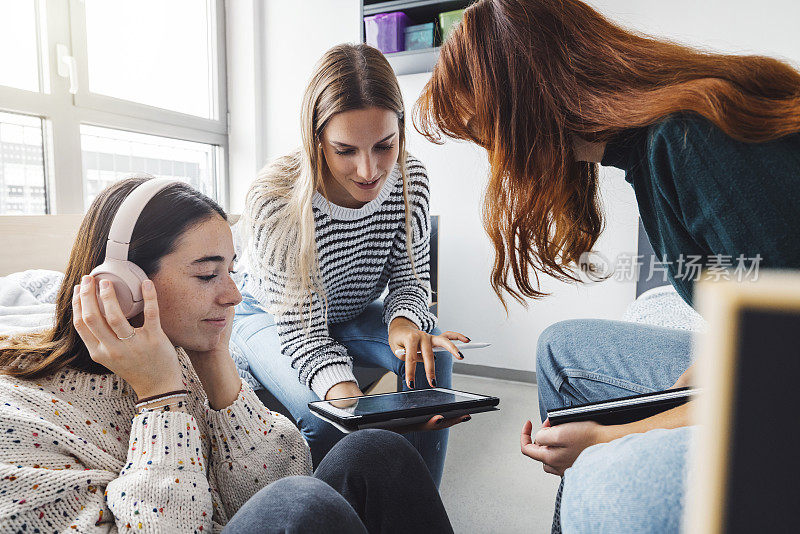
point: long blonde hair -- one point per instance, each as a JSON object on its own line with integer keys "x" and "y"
{"x": 278, "y": 208}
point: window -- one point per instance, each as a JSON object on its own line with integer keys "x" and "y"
{"x": 174, "y": 51}
{"x": 110, "y": 154}
{"x": 19, "y": 38}
{"x": 91, "y": 90}
{"x": 22, "y": 184}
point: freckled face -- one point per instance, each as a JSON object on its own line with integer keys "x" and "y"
{"x": 361, "y": 148}
{"x": 194, "y": 286}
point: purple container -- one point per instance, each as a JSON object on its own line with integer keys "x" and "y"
{"x": 386, "y": 31}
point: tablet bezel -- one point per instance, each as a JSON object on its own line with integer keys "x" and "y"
{"x": 347, "y": 419}
{"x": 590, "y": 410}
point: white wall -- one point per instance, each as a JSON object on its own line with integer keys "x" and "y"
{"x": 272, "y": 48}
{"x": 295, "y": 34}
{"x": 768, "y": 27}
{"x": 244, "y": 108}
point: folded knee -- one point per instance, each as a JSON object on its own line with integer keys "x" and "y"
{"x": 381, "y": 449}
{"x": 551, "y": 345}
{"x": 298, "y": 501}
{"x": 557, "y": 340}
{"x": 374, "y": 440}
{"x": 616, "y": 487}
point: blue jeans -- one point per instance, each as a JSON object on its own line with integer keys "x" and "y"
{"x": 636, "y": 483}
{"x": 372, "y": 481}
{"x": 366, "y": 338}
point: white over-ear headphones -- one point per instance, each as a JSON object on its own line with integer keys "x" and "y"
{"x": 126, "y": 276}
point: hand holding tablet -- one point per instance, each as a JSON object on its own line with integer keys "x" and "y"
{"x": 401, "y": 410}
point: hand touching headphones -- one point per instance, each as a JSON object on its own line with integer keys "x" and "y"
{"x": 124, "y": 275}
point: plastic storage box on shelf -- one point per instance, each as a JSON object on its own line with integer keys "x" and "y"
{"x": 448, "y": 21}
{"x": 386, "y": 31}
{"x": 420, "y": 36}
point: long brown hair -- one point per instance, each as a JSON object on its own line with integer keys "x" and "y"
{"x": 167, "y": 215}
{"x": 522, "y": 78}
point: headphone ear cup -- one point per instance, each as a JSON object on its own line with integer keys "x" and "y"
{"x": 127, "y": 278}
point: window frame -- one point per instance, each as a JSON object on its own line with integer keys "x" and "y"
{"x": 63, "y": 113}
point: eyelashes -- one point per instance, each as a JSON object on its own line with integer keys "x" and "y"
{"x": 383, "y": 148}
{"x": 208, "y": 278}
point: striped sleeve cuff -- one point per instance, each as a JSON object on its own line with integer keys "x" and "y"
{"x": 423, "y": 318}
{"x": 330, "y": 375}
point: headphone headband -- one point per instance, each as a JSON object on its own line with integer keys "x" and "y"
{"x": 119, "y": 236}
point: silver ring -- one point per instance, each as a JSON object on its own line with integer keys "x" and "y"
{"x": 130, "y": 336}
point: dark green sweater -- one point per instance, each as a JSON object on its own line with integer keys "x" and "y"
{"x": 702, "y": 193}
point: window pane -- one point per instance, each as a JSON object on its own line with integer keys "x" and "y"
{"x": 22, "y": 183}
{"x": 108, "y": 155}
{"x": 19, "y": 53}
{"x": 152, "y": 52}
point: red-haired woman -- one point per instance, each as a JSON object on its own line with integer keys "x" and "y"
{"x": 710, "y": 144}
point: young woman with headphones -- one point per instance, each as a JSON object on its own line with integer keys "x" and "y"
{"x": 325, "y": 230}
{"x": 710, "y": 144}
{"x": 129, "y": 414}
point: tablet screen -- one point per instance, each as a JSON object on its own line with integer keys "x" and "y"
{"x": 393, "y": 402}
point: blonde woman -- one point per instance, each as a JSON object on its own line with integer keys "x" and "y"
{"x": 112, "y": 425}
{"x": 324, "y": 231}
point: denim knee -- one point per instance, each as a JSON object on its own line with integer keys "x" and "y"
{"x": 554, "y": 344}
{"x": 321, "y": 436}
{"x": 375, "y": 441}
{"x": 379, "y": 450}
{"x": 301, "y": 491}
{"x": 552, "y": 352}
{"x": 296, "y": 504}
{"x": 618, "y": 487}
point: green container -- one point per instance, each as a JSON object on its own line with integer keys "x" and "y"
{"x": 420, "y": 36}
{"x": 448, "y": 21}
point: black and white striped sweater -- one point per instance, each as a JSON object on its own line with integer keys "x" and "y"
{"x": 360, "y": 252}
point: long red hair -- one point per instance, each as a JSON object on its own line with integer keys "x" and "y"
{"x": 522, "y": 78}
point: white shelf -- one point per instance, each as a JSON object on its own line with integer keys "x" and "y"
{"x": 397, "y": 5}
{"x": 413, "y": 61}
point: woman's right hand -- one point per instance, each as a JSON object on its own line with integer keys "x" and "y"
{"x": 147, "y": 360}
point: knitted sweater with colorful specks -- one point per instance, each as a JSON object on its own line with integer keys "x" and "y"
{"x": 74, "y": 456}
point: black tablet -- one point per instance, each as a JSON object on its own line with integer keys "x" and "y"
{"x": 625, "y": 409}
{"x": 397, "y": 409}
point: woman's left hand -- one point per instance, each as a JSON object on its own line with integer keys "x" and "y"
{"x": 557, "y": 447}
{"x": 217, "y": 370}
{"x": 437, "y": 422}
{"x": 418, "y": 346}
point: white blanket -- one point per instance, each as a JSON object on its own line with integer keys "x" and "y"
{"x": 663, "y": 306}
{"x": 27, "y": 300}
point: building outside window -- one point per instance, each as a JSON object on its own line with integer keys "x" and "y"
{"x": 91, "y": 90}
